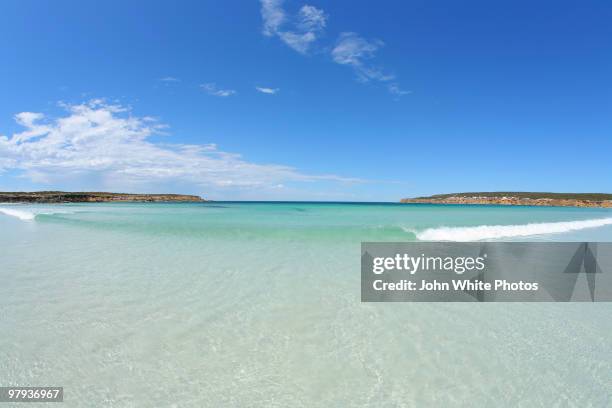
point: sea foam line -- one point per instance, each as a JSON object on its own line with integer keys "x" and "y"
{"x": 25, "y": 215}
{"x": 482, "y": 232}
{"x": 22, "y": 215}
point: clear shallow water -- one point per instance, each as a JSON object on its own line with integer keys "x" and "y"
{"x": 251, "y": 304}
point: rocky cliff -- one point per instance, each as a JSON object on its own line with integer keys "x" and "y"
{"x": 522, "y": 198}
{"x": 91, "y": 197}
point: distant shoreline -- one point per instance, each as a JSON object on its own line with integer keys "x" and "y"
{"x": 91, "y": 197}
{"x": 591, "y": 200}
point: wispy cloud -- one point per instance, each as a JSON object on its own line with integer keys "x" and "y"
{"x": 212, "y": 89}
{"x": 270, "y": 91}
{"x": 301, "y": 31}
{"x": 358, "y": 53}
{"x": 298, "y": 32}
{"x": 273, "y": 16}
{"x": 169, "y": 79}
{"x": 107, "y": 143}
{"x": 396, "y": 90}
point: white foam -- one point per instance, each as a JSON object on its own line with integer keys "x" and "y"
{"x": 482, "y": 232}
{"x": 21, "y": 214}
{"x": 31, "y": 213}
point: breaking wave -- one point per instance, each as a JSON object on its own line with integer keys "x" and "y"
{"x": 22, "y": 215}
{"x": 25, "y": 215}
{"x": 482, "y": 232}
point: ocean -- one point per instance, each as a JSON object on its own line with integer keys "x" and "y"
{"x": 258, "y": 304}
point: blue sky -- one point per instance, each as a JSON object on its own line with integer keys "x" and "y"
{"x": 357, "y": 100}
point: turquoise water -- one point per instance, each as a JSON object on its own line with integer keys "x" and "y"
{"x": 257, "y": 304}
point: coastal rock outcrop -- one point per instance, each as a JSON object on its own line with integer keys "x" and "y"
{"x": 91, "y": 197}
{"x": 509, "y": 198}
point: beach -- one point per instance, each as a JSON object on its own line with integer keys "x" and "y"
{"x": 258, "y": 304}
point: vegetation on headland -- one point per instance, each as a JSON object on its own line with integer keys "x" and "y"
{"x": 518, "y": 198}
{"x": 531, "y": 195}
{"x": 91, "y": 197}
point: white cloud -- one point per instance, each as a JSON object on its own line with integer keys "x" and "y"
{"x": 356, "y": 52}
{"x": 107, "y": 146}
{"x": 273, "y": 16}
{"x": 299, "y": 32}
{"x": 353, "y": 50}
{"x": 265, "y": 90}
{"x": 169, "y": 79}
{"x": 27, "y": 119}
{"x": 312, "y": 19}
{"x": 396, "y": 90}
{"x": 212, "y": 89}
